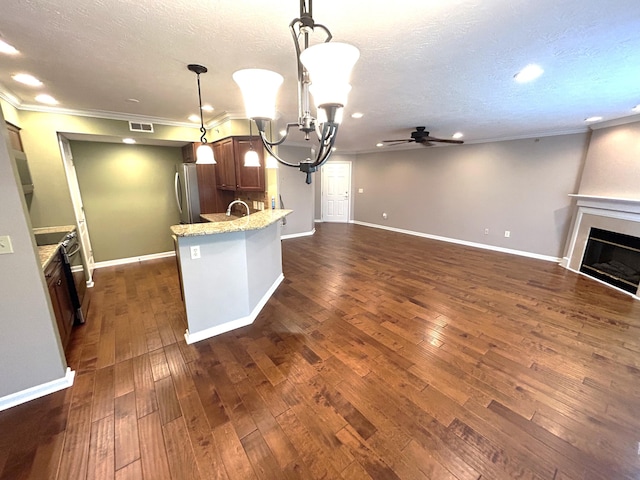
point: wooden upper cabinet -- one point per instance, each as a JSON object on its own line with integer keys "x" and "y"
{"x": 14, "y": 137}
{"x": 249, "y": 179}
{"x": 232, "y": 174}
{"x": 189, "y": 152}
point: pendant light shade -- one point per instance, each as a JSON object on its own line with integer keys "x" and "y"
{"x": 251, "y": 159}
{"x": 204, "y": 155}
{"x": 259, "y": 89}
{"x": 271, "y": 162}
{"x": 329, "y": 65}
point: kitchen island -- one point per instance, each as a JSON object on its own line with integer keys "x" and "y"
{"x": 229, "y": 268}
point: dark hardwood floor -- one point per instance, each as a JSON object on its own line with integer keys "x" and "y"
{"x": 380, "y": 356}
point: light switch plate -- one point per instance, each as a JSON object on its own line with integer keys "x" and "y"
{"x": 5, "y": 244}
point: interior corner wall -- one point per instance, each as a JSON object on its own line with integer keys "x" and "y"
{"x": 612, "y": 167}
{"x": 457, "y": 192}
{"x": 30, "y": 349}
{"x": 296, "y": 194}
{"x": 128, "y": 197}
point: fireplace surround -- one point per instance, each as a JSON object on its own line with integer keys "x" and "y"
{"x": 619, "y": 216}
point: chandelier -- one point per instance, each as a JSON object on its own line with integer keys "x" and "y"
{"x": 323, "y": 71}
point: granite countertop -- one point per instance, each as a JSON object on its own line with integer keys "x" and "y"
{"x": 47, "y": 252}
{"x": 220, "y": 223}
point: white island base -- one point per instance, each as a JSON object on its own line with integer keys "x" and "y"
{"x": 235, "y": 276}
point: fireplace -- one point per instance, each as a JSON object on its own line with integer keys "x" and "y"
{"x": 613, "y": 258}
{"x": 605, "y": 241}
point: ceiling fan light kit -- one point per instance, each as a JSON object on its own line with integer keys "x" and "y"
{"x": 324, "y": 70}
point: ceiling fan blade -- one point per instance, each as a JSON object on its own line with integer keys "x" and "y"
{"x": 403, "y": 140}
{"x": 393, "y": 143}
{"x": 443, "y": 140}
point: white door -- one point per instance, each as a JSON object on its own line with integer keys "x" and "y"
{"x": 336, "y": 191}
{"x": 78, "y": 208}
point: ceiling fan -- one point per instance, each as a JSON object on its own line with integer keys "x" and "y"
{"x": 422, "y": 137}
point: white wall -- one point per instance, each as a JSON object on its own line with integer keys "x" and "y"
{"x": 295, "y": 193}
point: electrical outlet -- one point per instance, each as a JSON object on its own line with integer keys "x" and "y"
{"x": 195, "y": 252}
{"x": 486, "y": 231}
{"x": 507, "y": 233}
{"x": 384, "y": 215}
{"x": 5, "y": 244}
{"x": 361, "y": 190}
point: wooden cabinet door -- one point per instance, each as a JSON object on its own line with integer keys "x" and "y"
{"x": 226, "y": 172}
{"x": 248, "y": 179}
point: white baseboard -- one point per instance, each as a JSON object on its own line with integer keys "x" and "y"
{"x": 483, "y": 246}
{"x": 233, "y": 324}
{"x": 297, "y": 235}
{"x": 318, "y": 220}
{"x": 144, "y": 258}
{"x": 37, "y": 391}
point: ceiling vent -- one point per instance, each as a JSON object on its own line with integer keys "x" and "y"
{"x": 141, "y": 127}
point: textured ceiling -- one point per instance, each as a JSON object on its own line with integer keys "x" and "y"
{"x": 448, "y": 65}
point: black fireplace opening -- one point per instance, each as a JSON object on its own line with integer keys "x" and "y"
{"x": 613, "y": 258}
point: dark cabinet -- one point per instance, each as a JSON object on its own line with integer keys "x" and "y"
{"x": 232, "y": 174}
{"x": 60, "y": 299}
{"x": 212, "y": 200}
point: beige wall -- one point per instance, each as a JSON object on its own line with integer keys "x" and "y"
{"x": 30, "y": 350}
{"x": 612, "y": 168}
{"x": 128, "y": 196}
{"x": 457, "y": 192}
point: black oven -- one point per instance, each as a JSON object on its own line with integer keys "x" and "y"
{"x": 74, "y": 272}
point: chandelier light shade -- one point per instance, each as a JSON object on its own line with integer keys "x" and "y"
{"x": 204, "y": 153}
{"x": 329, "y": 66}
{"x": 259, "y": 89}
{"x": 324, "y": 71}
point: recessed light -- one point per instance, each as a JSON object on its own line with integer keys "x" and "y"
{"x": 380, "y": 144}
{"x": 528, "y": 73}
{"x": 636, "y": 108}
{"x": 357, "y": 115}
{"x": 194, "y": 118}
{"x": 27, "y": 79}
{"x": 593, "y": 119}
{"x": 129, "y": 141}
{"x": 48, "y": 99}
{"x": 8, "y": 49}
{"x": 207, "y": 108}
{"x": 457, "y": 135}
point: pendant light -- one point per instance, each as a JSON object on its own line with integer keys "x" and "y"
{"x": 204, "y": 153}
{"x": 251, "y": 158}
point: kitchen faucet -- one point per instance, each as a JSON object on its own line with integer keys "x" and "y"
{"x": 234, "y": 202}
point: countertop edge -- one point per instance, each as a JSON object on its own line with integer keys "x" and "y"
{"x": 255, "y": 221}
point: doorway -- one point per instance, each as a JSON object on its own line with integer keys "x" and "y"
{"x": 78, "y": 209}
{"x": 336, "y": 191}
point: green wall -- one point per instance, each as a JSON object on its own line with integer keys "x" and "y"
{"x": 128, "y": 197}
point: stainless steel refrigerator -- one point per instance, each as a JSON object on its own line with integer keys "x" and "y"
{"x": 186, "y": 190}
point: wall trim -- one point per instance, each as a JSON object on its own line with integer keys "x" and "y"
{"x": 521, "y": 253}
{"x": 317, "y": 220}
{"x": 296, "y": 235}
{"x": 143, "y": 258}
{"x": 232, "y": 325}
{"x": 38, "y": 391}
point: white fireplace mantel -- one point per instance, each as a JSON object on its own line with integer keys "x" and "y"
{"x": 621, "y": 215}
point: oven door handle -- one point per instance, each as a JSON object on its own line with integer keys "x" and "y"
{"x": 76, "y": 250}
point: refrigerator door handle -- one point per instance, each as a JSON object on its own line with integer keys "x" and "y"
{"x": 178, "y": 188}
